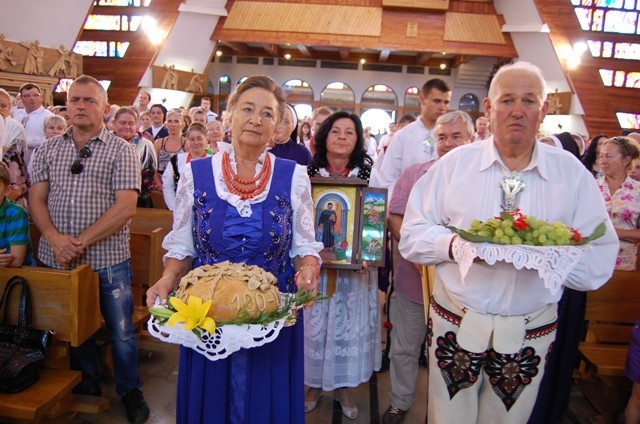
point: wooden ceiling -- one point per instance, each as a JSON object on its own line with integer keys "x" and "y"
{"x": 125, "y": 74}
{"x": 351, "y": 30}
{"x": 339, "y": 30}
{"x": 598, "y": 102}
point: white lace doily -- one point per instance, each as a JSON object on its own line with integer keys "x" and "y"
{"x": 553, "y": 263}
{"x": 226, "y": 340}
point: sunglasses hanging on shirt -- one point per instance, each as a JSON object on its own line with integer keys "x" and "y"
{"x": 77, "y": 166}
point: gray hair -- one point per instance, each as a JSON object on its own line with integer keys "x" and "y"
{"x": 523, "y": 67}
{"x": 55, "y": 120}
{"x": 455, "y": 115}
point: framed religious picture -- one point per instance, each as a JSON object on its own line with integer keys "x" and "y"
{"x": 373, "y": 228}
{"x": 337, "y": 213}
{"x": 340, "y": 221}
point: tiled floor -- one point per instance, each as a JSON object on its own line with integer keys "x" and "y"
{"x": 158, "y": 366}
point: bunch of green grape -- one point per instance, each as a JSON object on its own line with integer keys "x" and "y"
{"x": 529, "y": 230}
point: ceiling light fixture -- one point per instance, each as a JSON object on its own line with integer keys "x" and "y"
{"x": 150, "y": 27}
{"x": 287, "y": 56}
{"x": 363, "y": 61}
{"x": 218, "y": 53}
{"x": 443, "y": 66}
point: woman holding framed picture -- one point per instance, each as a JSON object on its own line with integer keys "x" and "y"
{"x": 342, "y": 334}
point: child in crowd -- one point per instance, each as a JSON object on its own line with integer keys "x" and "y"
{"x": 54, "y": 125}
{"x": 144, "y": 121}
{"x": 15, "y": 243}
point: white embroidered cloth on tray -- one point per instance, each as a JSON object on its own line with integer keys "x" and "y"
{"x": 553, "y": 263}
{"x": 226, "y": 340}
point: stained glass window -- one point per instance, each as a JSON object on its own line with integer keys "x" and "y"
{"x": 633, "y": 80}
{"x": 607, "y": 77}
{"x": 617, "y": 16}
{"x": 622, "y": 22}
{"x": 101, "y": 48}
{"x": 64, "y": 83}
{"x": 610, "y": 49}
{"x": 594, "y": 47}
{"x": 628, "y": 120}
{"x": 122, "y": 3}
{"x": 627, "y": 51}
{"x": 112, "y": 22}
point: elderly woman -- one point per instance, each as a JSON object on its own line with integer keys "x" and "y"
{"x": 196, "y": 146}
{"x": 274, "y": 215}
{"x": 342, "y": 334}
{"x": 125, "y": 126}
{"x": 622, "y": 196}
{"x": 284, "y": 141}
{"x": 215, "y": 135}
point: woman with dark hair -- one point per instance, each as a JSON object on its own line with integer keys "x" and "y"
{"x": 304, "y": 137}
{"x": 342, "y": 334}
{"x": 158, "y": 114}
{"x": 590, "y": 156}
{"x": 244, "y": 205}
{"x": 284, "y": 140}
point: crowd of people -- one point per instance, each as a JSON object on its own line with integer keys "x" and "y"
{"x": 80, "y": 170}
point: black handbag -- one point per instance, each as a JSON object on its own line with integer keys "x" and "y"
{"x": 22, "y": 347}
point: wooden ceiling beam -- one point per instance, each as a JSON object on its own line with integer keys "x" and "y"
{"x": 239, "y": 48}
{"x": 271, "y": 49}
{"x": 306, "y": 51}
{"x": 384, "y": 55}
{"x": 423, "y": 58}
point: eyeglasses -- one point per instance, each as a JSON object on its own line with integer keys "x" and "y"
{"x": 624, "y": 142}
{"x": 77, "y": 166}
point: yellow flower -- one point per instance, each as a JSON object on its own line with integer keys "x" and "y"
{"x": 193, "y": 314}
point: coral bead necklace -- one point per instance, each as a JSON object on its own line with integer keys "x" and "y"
{"x": 245, "y": 188}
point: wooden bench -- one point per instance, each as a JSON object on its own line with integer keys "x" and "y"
{"x": 611, "y": 312}
{"x": 148, "y": 229}
{"x": 66, "y": 302}
{"x": 157, "y": 198}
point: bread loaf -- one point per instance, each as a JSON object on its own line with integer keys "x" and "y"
{"x": 239, "y": 293}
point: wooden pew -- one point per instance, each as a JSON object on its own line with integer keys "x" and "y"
{"x": 148, "y": 229}
{"x": 158, "y": 200}
{"x": 611, "y": 312}
{"x": 65, "y": 301}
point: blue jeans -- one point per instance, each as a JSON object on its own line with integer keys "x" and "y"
{"x": 116, "y": 305}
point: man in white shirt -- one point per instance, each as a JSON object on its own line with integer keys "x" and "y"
{"x": 205, "y": 103}
{"x": 144, "y": 100}
{"x": 406, "y": 303}
{"x": 32, "y": 116}
{"x": 482, "y": 129}
{"x": 415, "y": 143}
{"x": 492, "y": 330}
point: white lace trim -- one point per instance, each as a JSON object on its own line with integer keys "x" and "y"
{"x": 353, "y": 173}
{"x": 553, "y": 263}
{"x": 226, "y": 340}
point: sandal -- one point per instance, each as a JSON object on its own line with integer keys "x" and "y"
{"x": 350, "y": 412}
{"x": 310, "y": 405}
